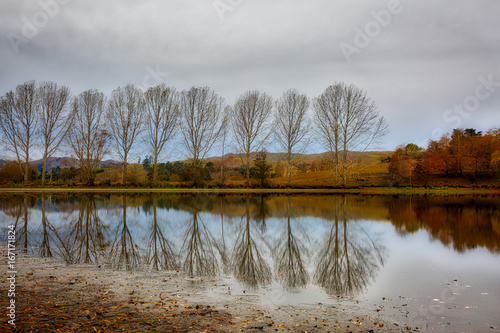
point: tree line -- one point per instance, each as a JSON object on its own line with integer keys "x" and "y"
{"x": 90, "y": 125}
{"x": 463, "y": 153}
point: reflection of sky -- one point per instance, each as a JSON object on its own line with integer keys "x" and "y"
{"x": 420, "y": 270}
{"x": 415, "y": 267}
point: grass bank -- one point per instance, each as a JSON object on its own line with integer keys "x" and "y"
{"x": 365, "y": 190}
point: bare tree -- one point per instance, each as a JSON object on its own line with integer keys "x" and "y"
{"x": 88, "y": 138}
{"x": 292, "y": 126}
{"x": 203, "y": 121}
{"x": 327, "y": 114}
{"x": 124, "y": 117}
{"x": 162, "y": 118}
{"x": 19, "y": 121}
{"x": 55, "y": 118}
{"x": 221, "y": 179}
{"x": 348, "y": 124}
{"x": 9, "y": 126}
{"x": 250, "y": 123}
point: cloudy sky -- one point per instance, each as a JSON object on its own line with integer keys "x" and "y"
{"x": 430, "y": 66}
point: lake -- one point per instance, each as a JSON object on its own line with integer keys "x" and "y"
{"x": 433, "y": 261}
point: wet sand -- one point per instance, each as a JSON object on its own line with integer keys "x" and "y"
{"x": 54, "y": 297}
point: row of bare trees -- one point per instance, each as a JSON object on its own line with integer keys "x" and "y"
{"x": 346, "y": 121}
{"x": 90, "y": 125}
{"x": 34, "y": 112}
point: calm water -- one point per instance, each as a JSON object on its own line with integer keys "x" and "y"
{"x": 431, "y": 261}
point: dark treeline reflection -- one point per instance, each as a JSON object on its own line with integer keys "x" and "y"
{"x": 463, "y": 223}
{"x": 294, "y": 240}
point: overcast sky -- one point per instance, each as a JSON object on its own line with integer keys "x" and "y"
{"x": 430, "y": 66}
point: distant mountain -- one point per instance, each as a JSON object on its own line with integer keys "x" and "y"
{"x": 54, "y": 162}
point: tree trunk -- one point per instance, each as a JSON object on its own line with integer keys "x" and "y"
{"x": 44, "y": 167}
{"x": 155, "y": 170}
{"x": 124, "y": 177}
{"x": 247, "y": 171}
{"x": 26, "y": 168}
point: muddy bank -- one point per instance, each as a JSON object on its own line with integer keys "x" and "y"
{"x": 54, "y": 297}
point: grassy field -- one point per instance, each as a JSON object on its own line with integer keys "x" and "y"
{"x": 367, "y": 190}
{"x": 369, "y": 176}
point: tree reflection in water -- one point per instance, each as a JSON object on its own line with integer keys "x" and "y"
{"x": 51, "y": 237}
{"x": 349, "y": 257}
{"x": 221, "y": 246}
{"x": 87, "y": 238}
{"x": 247, "y": 263}
{"x": 160, "y": 255}
{"x": 21, "y": 225}
{"x": 290, "y": 269}
{"x": 261, "y": 211}
{"x": 17, "y": 208}
{"x": 198, "y": 247}
{"x": 123, "y": 253}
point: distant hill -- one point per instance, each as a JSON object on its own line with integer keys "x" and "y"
{"x": 231, "y": 159}
{"x": 371, "y": 157}
{"x": 68, "y": 162}
{"x": 54, "y": 162}
{"x": 65, "y": 162}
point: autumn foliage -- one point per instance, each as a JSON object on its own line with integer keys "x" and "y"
{"x": 464, "y": 152}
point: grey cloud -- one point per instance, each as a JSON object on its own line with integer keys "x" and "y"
{"x": 428, "y": 58}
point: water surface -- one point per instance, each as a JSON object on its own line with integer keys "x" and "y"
{"x": 429, "y": 260}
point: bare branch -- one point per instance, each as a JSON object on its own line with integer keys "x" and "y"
{"x": 203, "y": 121}
{"x": 125, "y": 119}
{"x": 162, "y": 118}
{"x": 19, "y": 118}
{"x": 55, "y": 118}
{"x": 292, "y": 126}
{"x": 250, "y": 124}
{"x": 88, "y": 138}
{"x": 348, "y": 124}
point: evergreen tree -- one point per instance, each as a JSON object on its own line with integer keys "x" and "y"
{"x": 262, "y": 168}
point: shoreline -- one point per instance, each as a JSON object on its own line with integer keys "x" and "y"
{"x": 361, "y": 191}
{"x": 52, "y": 295}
